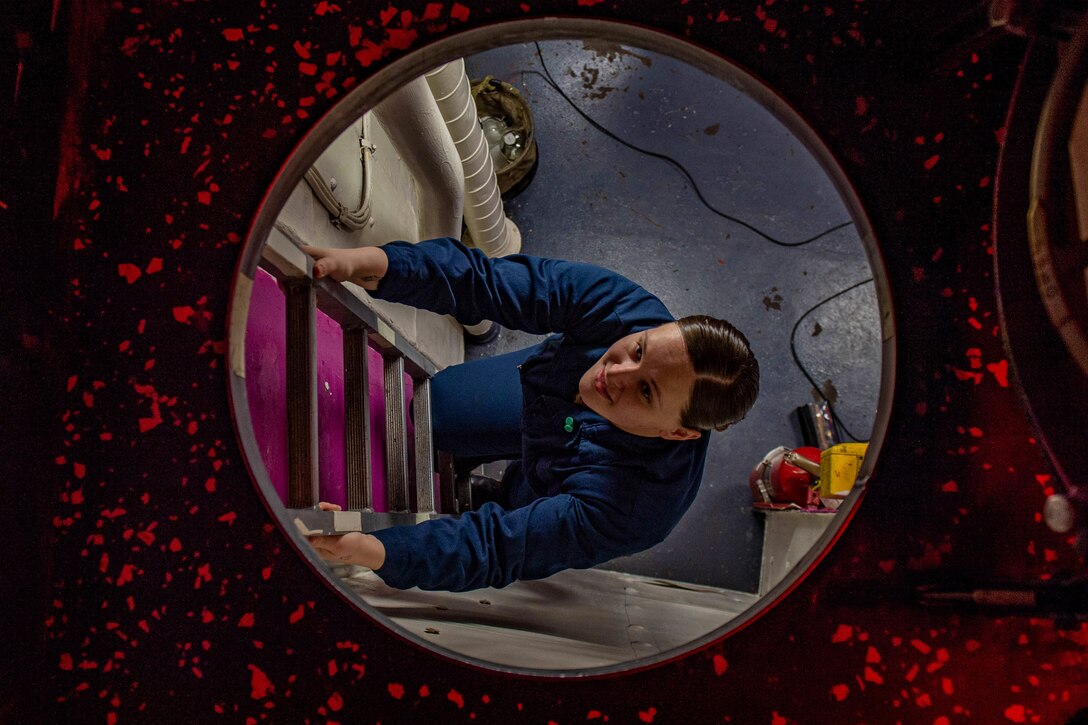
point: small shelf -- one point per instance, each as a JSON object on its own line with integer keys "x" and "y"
{"x": 787, "y": 537}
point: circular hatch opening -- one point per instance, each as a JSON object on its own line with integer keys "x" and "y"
{"x": 610, "y": 102}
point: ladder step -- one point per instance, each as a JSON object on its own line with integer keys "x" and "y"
{"x": 406, "y": 491}
{"x": 424, "y": 473}
{"x": 396, "y": 435}
{"x": 301, "y": 381}
{"x": 359, "y": 461}
{"x": 313, "y": 522}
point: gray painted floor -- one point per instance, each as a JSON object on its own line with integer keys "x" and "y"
{"x": 573, "y": 620}
{"x": 594, "y": 200}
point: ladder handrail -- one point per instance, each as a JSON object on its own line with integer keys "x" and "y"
{"x": 285, "y": 261}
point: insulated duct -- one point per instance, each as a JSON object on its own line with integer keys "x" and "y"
{"x": 416, "y": 127}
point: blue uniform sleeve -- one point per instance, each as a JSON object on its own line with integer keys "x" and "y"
{"x": 492, "y": 547}
{"x": 591, "y": 521}
{"x": 521, "y": 292}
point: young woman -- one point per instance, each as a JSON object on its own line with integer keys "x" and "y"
{"x": 606, "y": 423}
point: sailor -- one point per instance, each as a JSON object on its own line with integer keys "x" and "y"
{"x": 605, "y": 424}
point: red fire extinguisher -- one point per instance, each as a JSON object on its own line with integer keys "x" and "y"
{"x": 786, "y": 476}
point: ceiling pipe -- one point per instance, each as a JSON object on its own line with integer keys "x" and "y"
{"x": 414, "y": 124}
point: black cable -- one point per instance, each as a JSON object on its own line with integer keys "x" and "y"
{"x": 547, "y": 76}
{"x": 549, "y": 80}
{"x": 797, "y": 359}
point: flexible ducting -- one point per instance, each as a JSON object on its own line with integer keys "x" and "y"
{"x": 488, "y": 226}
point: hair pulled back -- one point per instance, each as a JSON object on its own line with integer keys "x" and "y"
{"x": 726, "y": 373}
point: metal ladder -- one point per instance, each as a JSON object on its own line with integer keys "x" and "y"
{"x": 410, "y": 494}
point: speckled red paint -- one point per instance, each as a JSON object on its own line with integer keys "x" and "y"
{"x": 207, "y": 94}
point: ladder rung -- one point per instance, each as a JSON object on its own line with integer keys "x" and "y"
{"x": 301, "y": 394}
{"x": 357, "y": 419}
{"x": 312, "y": 522}
{"x": 421, "y": 419}
{"x": 396, "y": 438}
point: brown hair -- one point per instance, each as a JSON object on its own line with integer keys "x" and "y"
{"x": 726, "y": 373}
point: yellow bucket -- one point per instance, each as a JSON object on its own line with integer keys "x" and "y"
{"x": 839, "y": 466}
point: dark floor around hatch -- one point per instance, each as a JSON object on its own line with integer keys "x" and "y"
{"x": 594, "y": 200}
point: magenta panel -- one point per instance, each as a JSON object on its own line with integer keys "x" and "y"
{"x": 266, "y": 379}
{"x": 266, "y": 389}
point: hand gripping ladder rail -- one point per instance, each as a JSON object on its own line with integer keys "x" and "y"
{"x": 410, "y": 494}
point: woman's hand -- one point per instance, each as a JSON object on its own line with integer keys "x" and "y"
{"x": 365, "y": 266}
{"x": 354, "y": 548}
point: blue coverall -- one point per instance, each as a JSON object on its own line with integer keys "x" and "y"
{"x": 576, "y": 498}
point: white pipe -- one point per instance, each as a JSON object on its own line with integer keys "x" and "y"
{"x": 488, "y": 226}
{"x": 414, "y": 124}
